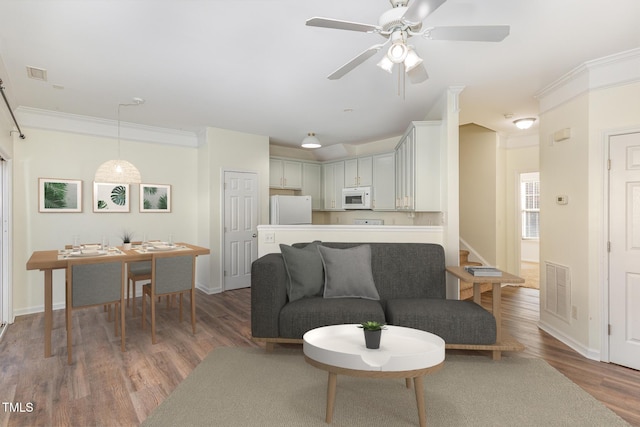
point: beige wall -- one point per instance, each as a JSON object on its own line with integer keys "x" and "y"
{"x": 479, "y": 165}
{"x": 227, "y": 150}
{"x": 518, "y": 161}
{"x": 573, "y": 235}
{"x": 53, "y": 154}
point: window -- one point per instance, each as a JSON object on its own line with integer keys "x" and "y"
{"x": 530, "y": 205}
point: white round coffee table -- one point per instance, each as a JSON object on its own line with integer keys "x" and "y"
{"x": 403, "y": 353}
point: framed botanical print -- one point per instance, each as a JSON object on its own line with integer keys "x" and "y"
{"x": 59, "y": 195}
{"x": 110, "y": 197}
{"x": 155, "y": 198}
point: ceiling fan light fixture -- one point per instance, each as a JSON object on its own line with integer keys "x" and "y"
{"x": 386, "y": 64}
{"x": 412, "y": 60}
{"x": 311, "y": 141}
{"x": 397, "y": 52}
{"x": 524, "y": 123}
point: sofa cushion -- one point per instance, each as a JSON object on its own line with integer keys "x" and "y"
{"x": 305, "y": 271}
{"x": 347, "y": 273}
{"x": 455, "y": 321}
{"x": 305, "y": 314}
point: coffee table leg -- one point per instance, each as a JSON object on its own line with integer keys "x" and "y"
{"x": 331, "y": 396}
{"x": 422, "y": 414}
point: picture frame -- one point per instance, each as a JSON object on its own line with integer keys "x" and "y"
{"x": 155, "y": 198}
{"x": 111, "y": 197}
{"x": 59, "y": 195}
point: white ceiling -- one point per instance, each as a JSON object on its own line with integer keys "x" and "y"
{"x": 254, "y": 66}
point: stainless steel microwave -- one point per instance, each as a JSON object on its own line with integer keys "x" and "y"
{"x": 356, "y": 198}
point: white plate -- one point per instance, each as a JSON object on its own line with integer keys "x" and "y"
{"x": 87, "y": 254}
{"x": 162, "y": 248}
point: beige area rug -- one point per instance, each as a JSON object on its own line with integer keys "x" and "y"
{"x": 530, "y": 272}
{"x": 249, "y": 387}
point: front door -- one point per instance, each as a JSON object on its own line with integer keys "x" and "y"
{"x": 624, "y": 256}
{"x": 240, "y": 228}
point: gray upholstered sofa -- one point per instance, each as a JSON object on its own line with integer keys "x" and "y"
{"x": 409, "y": 279}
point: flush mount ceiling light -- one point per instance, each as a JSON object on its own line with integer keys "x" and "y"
{"x": 524, "y": 123}
{"x": 119, "y": 171}
{"x": 311, "y": 141}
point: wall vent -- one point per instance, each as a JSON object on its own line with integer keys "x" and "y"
{"x": 37, "y": 73}
{"x": 558, "y": 298}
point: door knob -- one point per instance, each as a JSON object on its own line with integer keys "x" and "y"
{"x": 254, "y": 235}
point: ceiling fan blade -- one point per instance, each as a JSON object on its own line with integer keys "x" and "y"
{"x": 418, "y": 74}
{"x": 341, "y": 25}
{"x": 489, "y": 33}
{"x": 418, "y": 10}
{"x": 355, "y": 62}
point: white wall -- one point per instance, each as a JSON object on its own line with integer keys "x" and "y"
{"x": 55, "y": 154}
{"x": 227, "y": 150}
{"x": 290, "y": 234}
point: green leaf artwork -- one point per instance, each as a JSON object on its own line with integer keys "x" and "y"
{"x": 119, "y": 195}
{"x": 156, "y": 198}
{"x": 55, "y": 195}
{"x": 102, "y": 204}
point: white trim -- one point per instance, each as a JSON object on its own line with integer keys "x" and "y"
{"x": 7, "y": 244}
{"x": 589, "y": 353}
{"x": 614, "y": 70}
{"x": 473, "y": 252}
{"x": 64, "y": 122}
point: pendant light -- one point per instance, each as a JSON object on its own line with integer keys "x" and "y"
{"x": 119, "y": 171}
{"x": 311, "y": 141}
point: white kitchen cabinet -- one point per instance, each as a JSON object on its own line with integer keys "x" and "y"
{"x": 358, "y": 172}
{"x": 312, "y": 184}
{"x": 383, "y": 181}
{"x": 332, "y": 183}
{"x": 418, "y": 172}
{"x": 285, "y": 174}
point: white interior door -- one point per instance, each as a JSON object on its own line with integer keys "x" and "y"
{"x": 240, "y": 228}
{"x": 624, "y": 256}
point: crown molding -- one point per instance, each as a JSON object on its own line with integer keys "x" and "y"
{"x": 613, "y": 70}
{"x": 64, "y": 122}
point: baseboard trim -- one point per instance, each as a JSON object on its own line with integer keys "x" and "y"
{"x": 591, "y": 354}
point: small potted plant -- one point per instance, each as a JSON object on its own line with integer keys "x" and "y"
{"x": 372, "y": 333}
{"x": 126, "y": 240}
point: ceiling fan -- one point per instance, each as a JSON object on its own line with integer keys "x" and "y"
{"x": 397, "y": 25}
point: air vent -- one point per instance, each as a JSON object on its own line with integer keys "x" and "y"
{"x": 37, "y": 73}
{"x": 558, "y": 298}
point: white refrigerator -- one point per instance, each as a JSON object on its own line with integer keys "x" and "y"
{"x": 290, "y": 210}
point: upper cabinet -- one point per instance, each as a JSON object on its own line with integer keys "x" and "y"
{"x": 418, "y": 180}
{"x": 383, "y": 182}
{"x": 285, "y": 174}
{"x": 358, "y": 172}
{"x": 332, "y": 183}
{"x": 312, "y": 184}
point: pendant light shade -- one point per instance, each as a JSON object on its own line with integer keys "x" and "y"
{"x": 311, "y": 141}
{"x": 118, "y": 172}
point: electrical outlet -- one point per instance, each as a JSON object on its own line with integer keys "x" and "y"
{"x": 269, "y": 237}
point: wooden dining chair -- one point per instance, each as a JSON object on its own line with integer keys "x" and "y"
{"x": 136, "y": 272}
{"x": 170, "y": 275}
{"x": 94, "y": 281}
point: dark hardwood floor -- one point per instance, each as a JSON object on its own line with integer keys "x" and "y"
{"x": 106, "y": 387}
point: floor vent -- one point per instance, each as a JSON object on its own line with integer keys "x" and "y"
{"x": 558, "y": 298}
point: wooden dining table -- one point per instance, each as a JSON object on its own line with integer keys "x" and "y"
{"x": 50, "y": 260}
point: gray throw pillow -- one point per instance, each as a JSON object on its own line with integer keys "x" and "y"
{"x": 347, "y": 273}
{"x": 304, "y": 268}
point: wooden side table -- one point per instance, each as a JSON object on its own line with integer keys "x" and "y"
{"x": 504, "y": 342}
